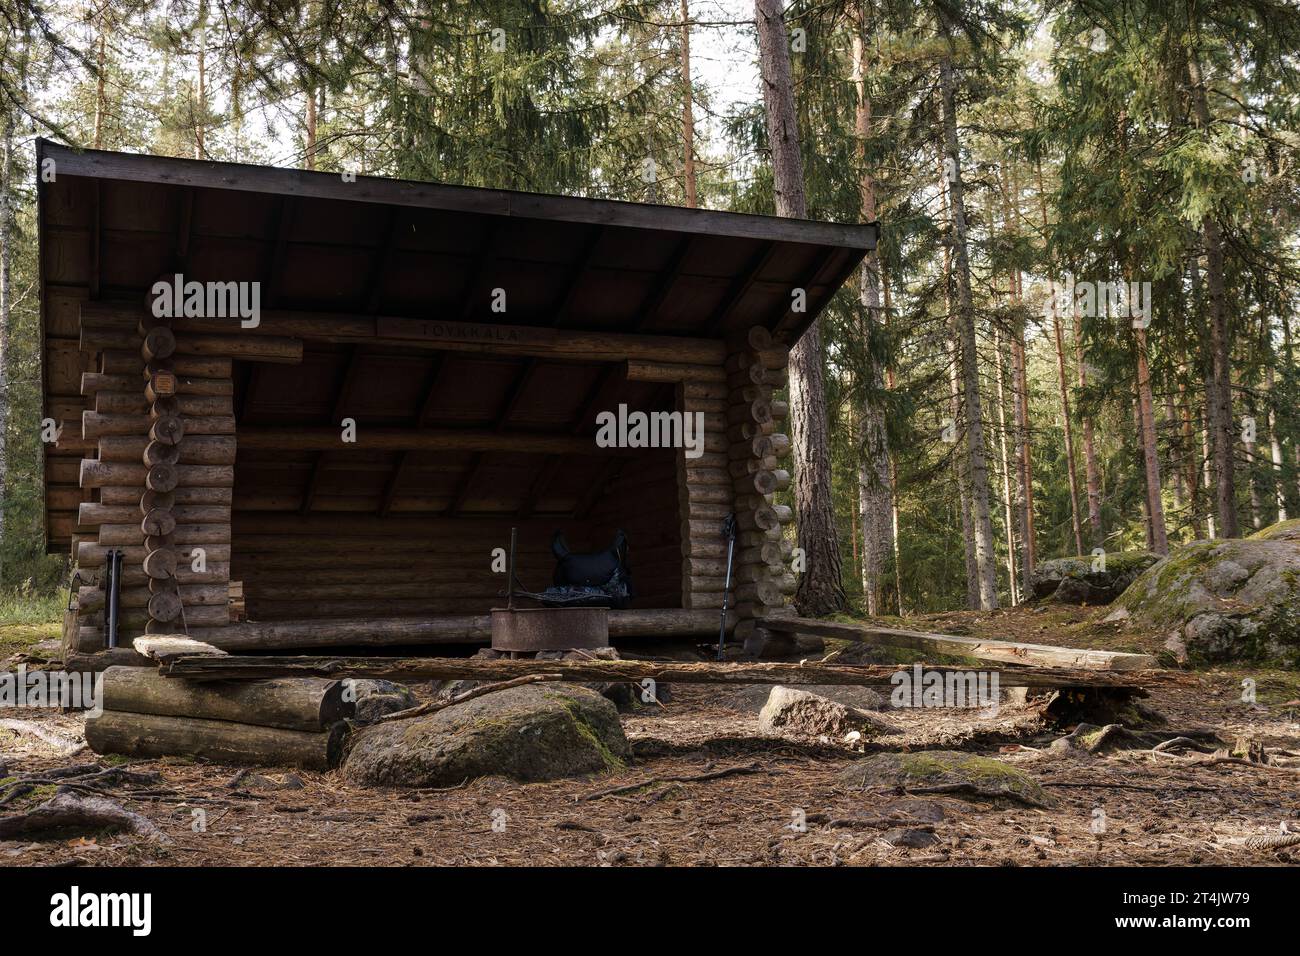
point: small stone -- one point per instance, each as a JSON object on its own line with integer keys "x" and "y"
{"x": 1176, "y": 646}
{"x": 375, "y": 698}
{"x": 910, "y": 838}
{"x": 925, "y": 811}
{"x": 248, "y": 780}
{"x": 792, "y": 711}
{"x": 752, "y": 697}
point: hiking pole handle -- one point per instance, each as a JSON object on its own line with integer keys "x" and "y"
{"x": 728, "y": 532}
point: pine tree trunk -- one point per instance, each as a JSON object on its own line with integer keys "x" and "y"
{"x": 981, "y": 519}
{"x": 688, "y": 111}
{"x": 309, "y": 159}
{"x": 1190, "y": 467}
{"x": 962, "y": 476}
{"x": 1288, "y": 350}
{"x": 1255, "y": 509}
{"x": 6, "y": 301}
{"x": 1275, "y": 446}
{"x": 1208, "y": 469}
{"x": 1220, "y": 403}
{"x": 201, "y": 107}
{"x": 893, "y": 465}
{"x": 1092, "y": 471}
{"x": 1150, "y": 451}
{"x": 1175, "y": 454}
{"x": 873, "y": 464}
{"x": 820, "y": 591}
{"x": 1008, "y": 517}
{"x": 1062, "y": 382}
{"x": 1139, "y": 456}
{"x": 955, "y": 409}
{"x": 100, "y": 105}
{"x": 1024, "y": 463}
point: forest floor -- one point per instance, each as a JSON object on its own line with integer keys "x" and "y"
{"x": 1159, "y": 808}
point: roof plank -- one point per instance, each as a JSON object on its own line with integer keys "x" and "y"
{"x": 304, "y": 184}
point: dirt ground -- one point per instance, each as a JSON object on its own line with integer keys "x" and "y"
{"x": 1160, "y": 808}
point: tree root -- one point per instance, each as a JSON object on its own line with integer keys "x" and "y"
{"x": 712, "y": 775}
{"x": 68, "y": 812}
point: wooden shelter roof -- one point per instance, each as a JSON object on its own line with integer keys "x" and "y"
{"x": 387, "y": 252}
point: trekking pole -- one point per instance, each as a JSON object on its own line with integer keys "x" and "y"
{"x": 112, "y": 596}
{"x": 728, "y": 532}
{"x": 510, "y": 592}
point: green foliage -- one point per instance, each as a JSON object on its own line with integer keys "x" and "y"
{"x": 30, "y": 607}
{"x": 1078, "y": 157}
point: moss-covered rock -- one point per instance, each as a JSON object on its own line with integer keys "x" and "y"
{"x": 529, "y": 733}
{"x": 1089, "y": 579}
{"x": 1224, "y": 600}
{"x": 1282, "y": 531}
{"x": 946, "y": 771}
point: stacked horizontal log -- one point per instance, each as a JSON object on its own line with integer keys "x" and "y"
{"x": 704, "y": 496}
{"x": 372, "y": 631}
{"x": 323, "y": 566}
{"x": 756, "y": 369}
{"x": 296, "y": 722}
{"x": 179, "y": 533}
{"x": 162, "y": 430}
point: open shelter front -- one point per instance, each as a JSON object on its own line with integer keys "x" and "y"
{"x": 400, "y": 373}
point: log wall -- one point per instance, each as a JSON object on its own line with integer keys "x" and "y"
{"x": 756, "y": 369}
{"x": 159, "y": 444}
{"x": 159, "y": 440}
{"x": 704, "y": 496}
{"x": 641, "y": 499}
{"x": 296, "y": 567}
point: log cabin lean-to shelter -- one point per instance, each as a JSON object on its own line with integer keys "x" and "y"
{"x": 471, "y": 336}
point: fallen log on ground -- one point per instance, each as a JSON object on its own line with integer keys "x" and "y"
{"x": 64, "y": 745}
{"x": 441, "y": 668}
{"x": 221, "y": 741}
{"x": 1005, "y": 652}
{"x": 290, "y": 704}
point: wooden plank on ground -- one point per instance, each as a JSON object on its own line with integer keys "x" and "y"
{"x": 1003, "y": 652}
{"x": 239, "y": 667}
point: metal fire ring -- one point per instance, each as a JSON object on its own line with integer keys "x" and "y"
{"x": 549, "y": 628}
